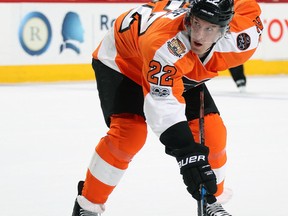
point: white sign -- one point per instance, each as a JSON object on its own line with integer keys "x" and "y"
{"x": 68, "y": 33}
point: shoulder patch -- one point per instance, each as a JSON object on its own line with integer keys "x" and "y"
{"x": 176, "y": 47}
{"x": 243, "y": 41}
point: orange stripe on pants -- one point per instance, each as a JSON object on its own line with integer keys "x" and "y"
{"x": 215, "y": 140}
{"x": 126, "y": 136}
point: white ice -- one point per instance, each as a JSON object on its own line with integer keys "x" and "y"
{"x": 48, "y": 133}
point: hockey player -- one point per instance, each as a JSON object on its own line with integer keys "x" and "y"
{"x": 148, "y": 71}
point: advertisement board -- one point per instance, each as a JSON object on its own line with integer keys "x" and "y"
{"x": 55, "y": 34}
{"x": 47, "y": 41}
{"x": 275, "y": 36}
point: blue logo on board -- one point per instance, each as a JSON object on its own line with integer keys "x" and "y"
{"x": 72, "y": 32}
{"x": 35, "y": 33}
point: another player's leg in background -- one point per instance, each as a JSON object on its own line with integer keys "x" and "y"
{"x": 239, "y": 77}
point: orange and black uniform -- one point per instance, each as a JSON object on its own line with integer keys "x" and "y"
{"x": 146, "y": 73}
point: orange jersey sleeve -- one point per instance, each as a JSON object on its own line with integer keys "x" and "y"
{"x": 242, "y": 40}
{"x": 119, "y": 49}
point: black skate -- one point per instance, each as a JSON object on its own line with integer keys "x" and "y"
{"x": 216, "y": 209}
{"x": 78, "y": 210}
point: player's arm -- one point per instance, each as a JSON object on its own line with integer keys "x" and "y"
{"x": 241, "y": 41}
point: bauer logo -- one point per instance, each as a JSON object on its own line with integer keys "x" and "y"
{"x": 35, "y": 33}
{"x": 191, "y": 160}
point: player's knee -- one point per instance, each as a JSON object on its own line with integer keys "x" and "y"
{"x": 128, "y": 132}
{"x": 215, "y": 133}
{"x": 214, "y": 128}
{"x": 216, "y": 136}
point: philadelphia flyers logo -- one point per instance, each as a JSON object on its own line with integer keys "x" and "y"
{"x": 243, "y": 41}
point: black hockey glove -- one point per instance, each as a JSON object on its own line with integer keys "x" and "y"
{"x": 194, "y": 166}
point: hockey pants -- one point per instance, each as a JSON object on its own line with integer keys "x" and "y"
{"x": 126, "y": 136}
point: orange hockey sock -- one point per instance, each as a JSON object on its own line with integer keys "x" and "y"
{"x": 126, "y": 137}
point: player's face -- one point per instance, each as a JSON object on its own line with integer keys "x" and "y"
{"x": 203, "y": 35}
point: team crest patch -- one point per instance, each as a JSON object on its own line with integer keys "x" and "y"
{"x": 176, "y": 47}
{"x": 243, "y": 41}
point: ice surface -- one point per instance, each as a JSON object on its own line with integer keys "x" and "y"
{"x": 48, "y": 133}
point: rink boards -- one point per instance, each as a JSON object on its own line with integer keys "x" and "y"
{"x": 54, "y": 41}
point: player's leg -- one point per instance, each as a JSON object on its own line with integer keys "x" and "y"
{"x": 215, "y": 139}
{"x": 114, "y": 152}
{"x": 214, "y": 128}
{"x": 239, "y": 77}
{"x": 122, "y": 106}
